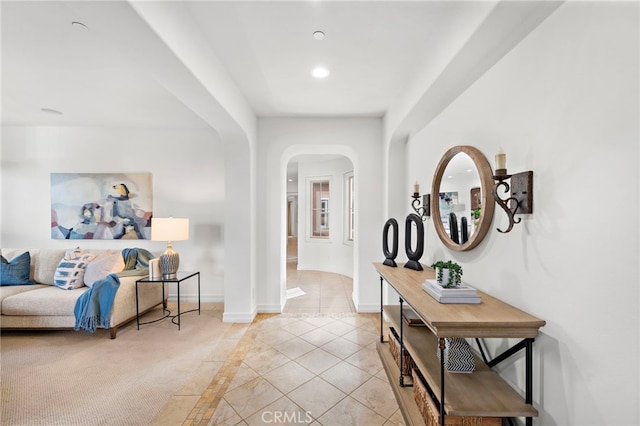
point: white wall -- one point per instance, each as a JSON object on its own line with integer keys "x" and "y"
{"x": 563, "y": 103}
{"x": 188, "y": 181}
{"x": 281, "y": 139}
{"x": 331, "y": 254}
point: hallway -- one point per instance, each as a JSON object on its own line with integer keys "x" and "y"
{"x": 315, "y": 291}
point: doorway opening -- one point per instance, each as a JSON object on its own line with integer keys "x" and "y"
{"x": 319, "y": 252}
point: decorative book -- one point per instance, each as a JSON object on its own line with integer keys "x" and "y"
{"x": 457, "y": 355}
{"x": 461, "y": 294}
{"x": 411, "y": 318}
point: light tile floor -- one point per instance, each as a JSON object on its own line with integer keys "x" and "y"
{"x": 325, "y": 292}
{"x": 315, "y": 364}
{"x": 318, "y": 369}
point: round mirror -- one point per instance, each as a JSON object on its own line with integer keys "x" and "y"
{"x": 462, "y": 206}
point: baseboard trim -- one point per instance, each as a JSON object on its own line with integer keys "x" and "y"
{"x": 239, "y": 317}
{"x": 368, "y": 309}
{"x": 270, "y": 309}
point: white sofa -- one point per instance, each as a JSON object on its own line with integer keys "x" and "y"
{"x": 45, "y": 306}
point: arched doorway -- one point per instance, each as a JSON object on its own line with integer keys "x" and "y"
{"x": 319, "y": 234}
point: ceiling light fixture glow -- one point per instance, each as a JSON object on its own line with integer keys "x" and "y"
{"x": 320, "y": 72}
{"x": 318, "y": 35}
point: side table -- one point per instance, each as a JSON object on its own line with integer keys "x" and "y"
{"x": 182, "y": 276}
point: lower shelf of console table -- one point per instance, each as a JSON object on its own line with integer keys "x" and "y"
{"x": 482, "y": 393}
{"x": 404, "y": 395}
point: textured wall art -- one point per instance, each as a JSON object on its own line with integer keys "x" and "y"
{"x": 101, "y": 206}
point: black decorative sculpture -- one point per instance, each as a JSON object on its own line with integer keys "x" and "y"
{"x": 414, "y": 255}
{"x": 390, "y": 256}
{"x": 464, "y": 229}
{"x": 453, "y": 227}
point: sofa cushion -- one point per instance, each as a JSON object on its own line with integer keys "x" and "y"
{"x": 43, "y": 262}
{"x": 48, "y": 300}
{"x": 71, "y": 269}
{"x": 12, "y": 290}
{"x": 104, "y": 264}
{"x": 17, "y": 271}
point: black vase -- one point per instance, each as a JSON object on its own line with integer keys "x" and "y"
{"x": 414, "y": 255}
{"x": 390, "y": 256}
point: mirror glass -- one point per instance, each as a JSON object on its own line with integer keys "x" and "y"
{"x": 464, "y": 208}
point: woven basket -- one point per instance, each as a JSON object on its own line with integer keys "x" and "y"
{"x": 431, "y": 414}
{"x": 394, "y": 348}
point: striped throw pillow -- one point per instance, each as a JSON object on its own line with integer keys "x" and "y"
{"x": 70, "y": 272}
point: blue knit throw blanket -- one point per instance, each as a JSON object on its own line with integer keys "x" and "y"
{"x": 93, "y": 307}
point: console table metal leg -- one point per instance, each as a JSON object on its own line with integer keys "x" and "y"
{"x": 198, "y": 293}
{"x": 441, "y": 344}
{"x": 402, "y": 349}
{"x": 178, "y": 306}
{"x": 381, "y": 313}
{"x": 529, "y": 376}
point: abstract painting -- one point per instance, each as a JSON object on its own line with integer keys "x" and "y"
{"x": 447, "y": 201}
{"x": 101, "y": 206}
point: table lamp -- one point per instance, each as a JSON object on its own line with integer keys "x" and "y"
{"x": 169, "y": 229}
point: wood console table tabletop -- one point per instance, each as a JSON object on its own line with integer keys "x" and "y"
{"x": 491, "y": 318}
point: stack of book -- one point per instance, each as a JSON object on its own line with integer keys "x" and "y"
{"x": 411, "y": 318}
{"x": 460, "y": 294}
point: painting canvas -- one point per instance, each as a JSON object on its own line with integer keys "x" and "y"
{"x": 446, "y": 203}
{"x": 101, "y": 206}
{"x": 475, "y": 198}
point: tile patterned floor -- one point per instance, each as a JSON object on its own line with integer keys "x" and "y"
{"x": 318, "y": 369}
{"x": 315, "y": 364}
{"x": 325, "y": 292}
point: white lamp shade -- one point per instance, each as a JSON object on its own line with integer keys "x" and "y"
{"x": 169, "y": 229}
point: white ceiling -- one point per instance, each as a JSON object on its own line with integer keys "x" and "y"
{"x": 109, "y": 75}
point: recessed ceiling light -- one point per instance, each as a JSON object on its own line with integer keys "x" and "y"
{"x": 318, "y": 35}
{"x": 79, "y": 25}
{"x": 320, "y": 72}
{"x": 51, "y": 111}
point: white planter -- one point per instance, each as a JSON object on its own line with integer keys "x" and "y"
{"x": 446, "y": 276}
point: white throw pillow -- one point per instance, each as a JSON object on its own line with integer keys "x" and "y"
{"x": 70, "y": 272}
{"x": 103, "y": 265}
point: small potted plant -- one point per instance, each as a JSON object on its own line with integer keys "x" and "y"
{"x": 475, "y": 216}
{"x": 448, "y": 274}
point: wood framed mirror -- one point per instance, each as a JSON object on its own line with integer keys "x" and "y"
{"x": 461, "y": 202}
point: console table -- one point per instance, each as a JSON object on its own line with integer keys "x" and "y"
{"x": 482, "y": 393}
{"x": 181, "y": 276}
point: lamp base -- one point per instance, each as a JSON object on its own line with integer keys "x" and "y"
{"x": 169, "y": 262}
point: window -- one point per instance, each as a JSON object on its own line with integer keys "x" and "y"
{"x": 320, "y": 209}
{"x": 349, "y": 206}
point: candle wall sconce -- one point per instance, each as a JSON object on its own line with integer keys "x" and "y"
{"x": 424, "y": 210}
{"x": 519, "y": 194}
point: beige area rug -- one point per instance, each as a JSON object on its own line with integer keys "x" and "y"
{"x": 78, "y": 378}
